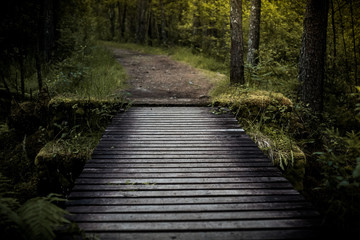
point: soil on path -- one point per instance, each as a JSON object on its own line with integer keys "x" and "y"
{"x": 157, "y": 79}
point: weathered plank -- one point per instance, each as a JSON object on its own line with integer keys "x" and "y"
{"x": 112, "y": 165}
{"x": 187, "y": 180}
{"x": 233, "y": 215}
{"x": 103, "y": 201}
{"x": 190, "y": 207}
{"x": 276, "y": 234}
{"x": 185, "y": 173}
{"x": 182, "y": 175}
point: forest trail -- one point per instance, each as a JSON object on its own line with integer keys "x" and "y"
{"x": 185, "y": 173}
{"x": 159, "y": 80}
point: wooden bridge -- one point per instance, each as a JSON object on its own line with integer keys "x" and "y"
{"x": 185, "y": 173}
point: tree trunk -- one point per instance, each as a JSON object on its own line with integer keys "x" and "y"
{"x": 121, "y": 17}
{"x": 346, "y": 62}
{"x": 354, "y": 41}
{"x": 334, "y": 38}
{"x": 197, "y": 26}
{"x": 237, "y": 47}
{"x": 123, "y": 27}
{"x": 254, "y": 33}
{"x": 111, "y": 12}
{"x": 163, "y": 24}
{"x": 312, "y": 56}
{"x": 47, "y": 29}
{"x": 141, "y": 31}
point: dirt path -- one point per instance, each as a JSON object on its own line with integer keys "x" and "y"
{"x": 156, "y": 79}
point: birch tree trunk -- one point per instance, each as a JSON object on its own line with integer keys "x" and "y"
{"x": 254, "y": 33}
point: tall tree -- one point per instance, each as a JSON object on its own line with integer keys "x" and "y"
{"x": 254, "y": 33}
{"x": 237, "y": 45}
{"x": 163, "y": 23}
{"x": 122, "y": 7}
{"x": 312, "y": 56}
{"x": 354, "y": 40}
{"x": 141, "y": 30}
{"x": 111, "y": 14}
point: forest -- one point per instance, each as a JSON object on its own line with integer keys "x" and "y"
{"x": 60, "y": 86}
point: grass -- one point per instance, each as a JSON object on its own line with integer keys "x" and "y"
{"x": 92, "y": 73}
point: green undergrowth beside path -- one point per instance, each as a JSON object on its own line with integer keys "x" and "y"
{"x": 267, "y": 117}
{"x": 48, "y": 137}
{"x": 91, "y": 72}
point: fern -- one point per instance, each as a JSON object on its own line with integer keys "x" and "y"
{"x": 37, "y": 219}
{"x": 41, "y": 217}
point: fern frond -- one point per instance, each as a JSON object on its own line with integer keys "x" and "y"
{"x": 10, "y": 222}
{"x": 41, "y": 217}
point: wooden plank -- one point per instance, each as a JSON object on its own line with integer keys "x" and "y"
{"x": 178, "y": 170}
{"x": 187, "y": 180}
{"x": 153, "y": 186}
{"x": 175, "y": 173}
{"x": 109, "y": 201}
{"x": 155, "y": 143}
{"x": 182, "y": 175}
{"x": 182, "y": 193}
{"x": 201, "y": 225}
{"x": 191, "y": 207}
{"x": 112, "y": 165}
{"x": 97, "y": 155}
{"x": 209, "y": 162}
{"x": 178, "y": 149}
{"x": 203, "y": 137}
{"x": 180, "y": 153}
{"x": 233, "y": 215}
{"x": 273, "y": 234}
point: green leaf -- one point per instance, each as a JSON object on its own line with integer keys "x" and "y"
{"x": 41, "y": 217}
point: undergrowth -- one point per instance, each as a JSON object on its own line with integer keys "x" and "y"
{"x": 37, "y": 218}
{"x": 330, "y": 147}
{"x": 90, "y": 72}
{"x": 182, "y": 54}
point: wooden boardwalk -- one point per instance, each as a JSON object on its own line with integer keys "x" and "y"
{"x": 185, "y": 173}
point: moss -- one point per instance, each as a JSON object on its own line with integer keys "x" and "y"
{"x": 283, "y": 152}
{"x": 91, "y": 113}
{"x": 256, "y": 105}
{"x": 265, "y": 115}
{"x": 60, "y": 162}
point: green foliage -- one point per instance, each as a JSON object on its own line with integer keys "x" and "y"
{"x": 268, "y": 118}
{"x": 40, "y": 217}
{"x": 340, "y": 168}
{"x": 90, "y": 72}
{"x": 37, "y": 218}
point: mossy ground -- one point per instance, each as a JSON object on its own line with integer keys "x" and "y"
{"x": 47, "y": 155}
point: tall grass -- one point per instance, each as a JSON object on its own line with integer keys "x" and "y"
{"x": 90, "y": 73}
